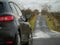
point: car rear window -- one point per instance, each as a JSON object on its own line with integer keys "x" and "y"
{"x": 1, "y": 7}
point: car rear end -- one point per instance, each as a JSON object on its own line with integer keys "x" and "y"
{"x": 8, "y": 25}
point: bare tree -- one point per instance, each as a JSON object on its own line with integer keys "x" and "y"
{"x": 45, "y": 9}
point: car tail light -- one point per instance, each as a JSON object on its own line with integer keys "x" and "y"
{"x": 9, "y": 42}
{"x": 6, "y": 18}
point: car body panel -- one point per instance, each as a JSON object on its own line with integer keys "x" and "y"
{"x": 8, "y": 29}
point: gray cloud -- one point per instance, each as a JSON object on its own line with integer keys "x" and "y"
{"x": 36, "y": 4}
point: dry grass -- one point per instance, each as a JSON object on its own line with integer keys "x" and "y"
{"x": 52, "y": 24}
{"x": 32, "y": 22}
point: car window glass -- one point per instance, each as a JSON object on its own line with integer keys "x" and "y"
{"x": 14, "y": 10}
{"x": 18, "y": 10}
{"x": 1, "y": 7}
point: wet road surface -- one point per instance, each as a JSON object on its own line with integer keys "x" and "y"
{"x": 42, "y": 35}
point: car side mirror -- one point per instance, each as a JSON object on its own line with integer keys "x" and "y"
{"x": 22, "y": 19}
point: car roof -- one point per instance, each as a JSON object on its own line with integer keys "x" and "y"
{"x": 4, "y": 0}
{"x": 15, "y": 1}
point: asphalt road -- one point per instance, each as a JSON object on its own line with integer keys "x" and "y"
{"x": 42, "y": 35}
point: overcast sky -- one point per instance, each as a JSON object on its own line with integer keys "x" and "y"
{"x": 37, "y": 4}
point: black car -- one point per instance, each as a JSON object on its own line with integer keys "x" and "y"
{"x": 10, "y": 32}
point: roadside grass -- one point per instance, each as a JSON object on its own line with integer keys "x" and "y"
{"x": 32, "y": 21}
{"x": 51, "y": 25}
